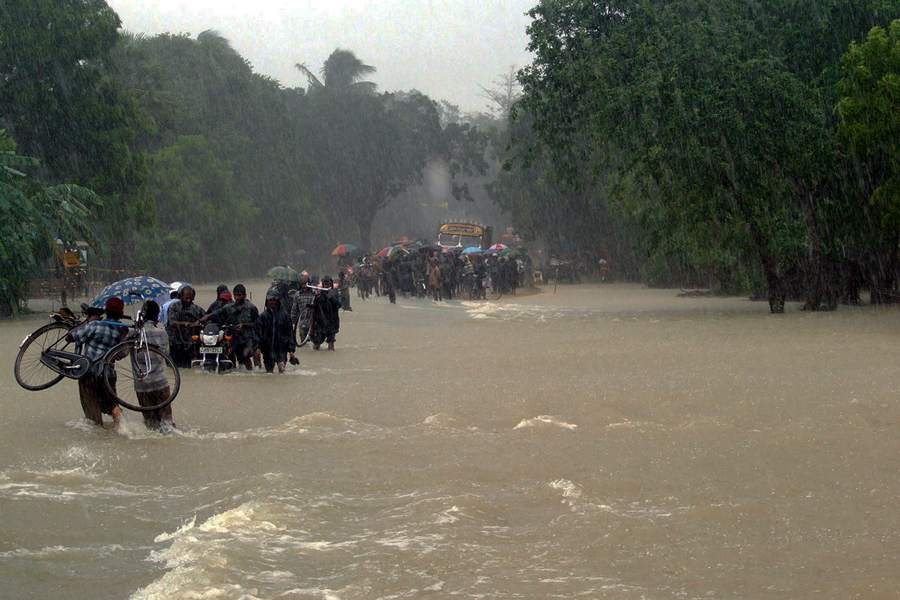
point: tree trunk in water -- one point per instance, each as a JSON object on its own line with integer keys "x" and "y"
{"x": 775, "y": 288}
{"x": 817, "y": 288}
{"x": 882, "y": 286}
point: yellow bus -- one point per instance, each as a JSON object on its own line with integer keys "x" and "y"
{"x": 465, "y": 234}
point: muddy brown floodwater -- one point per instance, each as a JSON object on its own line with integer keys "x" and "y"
{"x": 600, "y": 442}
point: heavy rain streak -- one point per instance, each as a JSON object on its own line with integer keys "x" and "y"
{"x": 587, "y": 300}
{"x": 603, "y": 441}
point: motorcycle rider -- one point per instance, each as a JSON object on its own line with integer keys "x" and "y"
{"x": 242, "y": 315}
{"x": 184, "y": 316}
{"x": 218, "y": 302}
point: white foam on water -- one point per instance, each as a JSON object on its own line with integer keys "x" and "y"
{"x": 425, "y": 543}
{"x": 55, "y": 553}
{"x": 204, "y": 560}
{"x": 316, "y": 593}
{"x": 627, "y": 424}
{"x": 441, "y": 420}
{"x": 568, "y": 489}
{"x": 48, "y": 552}
{"x": 546, "y": 421}
{"x": 54, "y": 480}
{"x": 318, "y": 423}
{"x": 449, "y": 516}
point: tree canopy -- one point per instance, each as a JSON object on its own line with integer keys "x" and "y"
{"x": 710, "y": 120}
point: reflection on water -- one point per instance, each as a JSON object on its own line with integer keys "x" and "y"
{"x": 603, "y": 442}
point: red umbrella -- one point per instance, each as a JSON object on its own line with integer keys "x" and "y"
{"x": 497, "y": 247}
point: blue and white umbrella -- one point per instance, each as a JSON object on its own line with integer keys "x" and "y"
{"x": 131, "y": 290}
{"x": 472, "y": 250}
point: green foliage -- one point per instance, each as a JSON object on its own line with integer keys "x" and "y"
{"x": 869, "y": 115}
{"x": 62, "y": 106}
{"x": 202, "y": 87}
{"x": 201, "y": 216}
{"x": 32, "y": 217}
{"x": 707, "y": 122}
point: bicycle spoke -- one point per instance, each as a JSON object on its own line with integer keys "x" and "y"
{"x": 138, "y": 375}
{"x": 30, "y": 372}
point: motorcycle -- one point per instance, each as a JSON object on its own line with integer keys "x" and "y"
{"x": 215, "y": 349}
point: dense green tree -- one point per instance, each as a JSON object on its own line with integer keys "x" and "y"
{"x": 32, "y": 217}
{"x": 203, "y": 87}
{"x": 199, "y": 214}
{"x": 870, "y": 124}
{"x": 62, "y": 106}
{"x": 713, "y": 116}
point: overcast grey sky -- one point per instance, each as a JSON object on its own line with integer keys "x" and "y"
{"x": 443, "y": 48}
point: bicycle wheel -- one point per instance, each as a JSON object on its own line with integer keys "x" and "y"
{"x": 136, "y": 375}
{"x": 304, "y": 326}
{"x": 31, "y": 373}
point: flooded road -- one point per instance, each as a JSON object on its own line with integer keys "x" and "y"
{"x": 599, "y": 442}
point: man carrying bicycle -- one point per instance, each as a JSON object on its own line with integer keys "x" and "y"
{"x": 154, "y": 388}
{"x": 96, "y": 338}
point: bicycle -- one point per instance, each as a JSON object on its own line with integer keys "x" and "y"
{"x": 306, "y": 321}
{"x": 304, "y": 324}
{"x": 45, "y": 357}
{"x": 144, "y": 369}
{"x": 482, "y": 290}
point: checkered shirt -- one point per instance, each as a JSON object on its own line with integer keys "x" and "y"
{"x": 98, "y": 337}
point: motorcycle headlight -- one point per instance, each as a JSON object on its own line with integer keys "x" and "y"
{"x": 210, "y": 340}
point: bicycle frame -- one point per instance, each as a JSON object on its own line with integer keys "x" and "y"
{"x": 70, "y": 364}
{"x": 142, "y": 370}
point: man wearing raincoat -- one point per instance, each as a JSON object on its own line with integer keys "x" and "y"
{"x": 242, "y": 315}
{"x": 328, "y": 320}
{"x": 184, "y": 316}
{"x": 274, "y": 334}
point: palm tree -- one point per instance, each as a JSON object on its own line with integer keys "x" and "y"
{"x": 341, "y": 72}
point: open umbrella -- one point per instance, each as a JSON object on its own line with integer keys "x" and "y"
{"x": 397, "y": 251}
{"x": 130, "y": 290}
{"x": 498, "y": 247}
{"x": 472, "y": 250}
{"x": 391, "y": 251}
{"x": 283, "y": 273}
{"x": 345, "y": 249}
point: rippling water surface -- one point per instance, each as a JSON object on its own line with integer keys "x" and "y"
{"x": 599, "y": 442}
